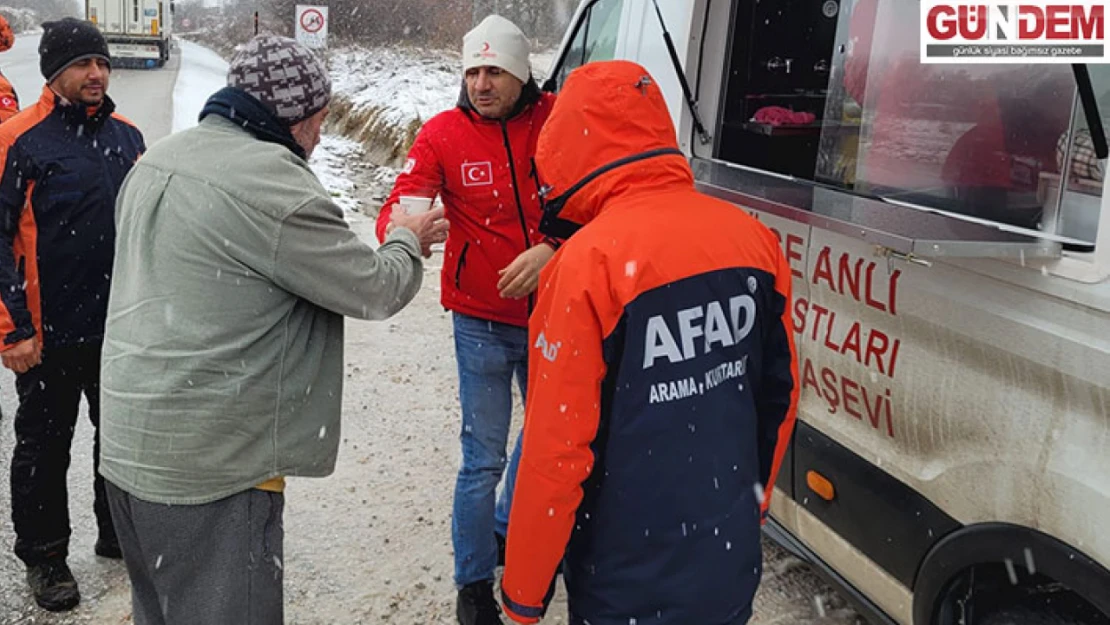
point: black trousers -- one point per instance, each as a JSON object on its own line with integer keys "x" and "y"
{"x": 49, "y": 400}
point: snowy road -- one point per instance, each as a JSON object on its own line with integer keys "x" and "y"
{"x": 370, "y": 544}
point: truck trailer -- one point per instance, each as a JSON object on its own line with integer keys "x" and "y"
{"x": 138, "y": 31}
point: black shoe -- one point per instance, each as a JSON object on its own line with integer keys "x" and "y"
{"x": 476, "y": 605}
{"x": 53, "y": 585}
{"x": 108, "y": 548}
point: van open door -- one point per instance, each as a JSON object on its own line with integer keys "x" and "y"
{"x": 982, "y": 197}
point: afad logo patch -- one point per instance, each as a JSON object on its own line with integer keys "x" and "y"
{"x": 550, "y": 351}
{"x": 410, "y": 166}
{"x": 477, "y": 174}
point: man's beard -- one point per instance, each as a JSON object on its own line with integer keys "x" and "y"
{"x": 88, "y": 101}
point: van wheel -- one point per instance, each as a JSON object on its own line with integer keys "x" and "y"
{"x": 1025, "y": 616}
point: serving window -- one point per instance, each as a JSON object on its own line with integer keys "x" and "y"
{"x": 834, "y": 92}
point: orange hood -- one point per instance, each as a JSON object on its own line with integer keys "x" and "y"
{"x": 609, "y": 135}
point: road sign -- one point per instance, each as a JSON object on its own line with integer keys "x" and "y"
{"x": 312, "y": 25}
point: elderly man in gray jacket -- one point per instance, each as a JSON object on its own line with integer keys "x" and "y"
{"x": 222, "y": 367}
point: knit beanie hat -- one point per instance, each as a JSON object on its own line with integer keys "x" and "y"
{"x": 497, "y": 42}
{"x": 286, "y": 77}
{"x": 67, "y": 41}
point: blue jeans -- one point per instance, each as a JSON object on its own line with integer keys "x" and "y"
{"x": 489, "y": 355}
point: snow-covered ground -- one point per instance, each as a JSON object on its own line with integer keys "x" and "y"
{"x": 202, "y": 73}
{"x": 405, "y": 82}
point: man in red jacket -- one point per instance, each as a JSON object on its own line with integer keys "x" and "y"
{"x": 478, "y": 158}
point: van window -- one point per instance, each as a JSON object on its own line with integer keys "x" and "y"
{"x": 835, "y": 92}
{"x": 596, "y": 39}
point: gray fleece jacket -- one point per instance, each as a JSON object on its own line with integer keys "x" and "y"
{"x": 223, "y": 352}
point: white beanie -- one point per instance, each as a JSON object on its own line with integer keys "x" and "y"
{"x": 497, "y": 42}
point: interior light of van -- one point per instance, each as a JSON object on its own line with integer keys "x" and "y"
{"x": 820, "y": 485}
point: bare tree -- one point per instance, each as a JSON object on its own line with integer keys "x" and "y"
{"x": 46, "y": 10}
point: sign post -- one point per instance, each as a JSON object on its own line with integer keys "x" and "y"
{"x": 312, "y": 26}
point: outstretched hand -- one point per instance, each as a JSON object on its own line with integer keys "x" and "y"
{"x": 429, "y": 227}
{"x": 522, "y": 276}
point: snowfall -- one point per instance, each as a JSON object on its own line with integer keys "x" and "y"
{"x": 371, "y": 543}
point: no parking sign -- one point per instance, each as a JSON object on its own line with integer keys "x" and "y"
{"x": 312, "y": 26}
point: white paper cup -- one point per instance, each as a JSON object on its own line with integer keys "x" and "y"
{"x": 414, "y": 205}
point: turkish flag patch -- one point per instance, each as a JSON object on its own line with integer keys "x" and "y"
{"x": 477, "y": 174}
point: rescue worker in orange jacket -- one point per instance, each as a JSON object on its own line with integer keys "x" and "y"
{"x": 9, "y": 101}
{"x": 662, "y": 376}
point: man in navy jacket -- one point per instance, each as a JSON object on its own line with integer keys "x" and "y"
{"x": 62, "y": 162}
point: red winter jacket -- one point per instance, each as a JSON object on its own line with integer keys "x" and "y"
{"x": 483, "y": 171}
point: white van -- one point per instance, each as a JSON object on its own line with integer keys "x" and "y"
{"x": 949, "y": 232}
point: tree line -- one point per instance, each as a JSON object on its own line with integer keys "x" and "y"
{"x": 430, "y": 23}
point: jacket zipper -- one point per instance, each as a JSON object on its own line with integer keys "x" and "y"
{"x": 519, "y": 204}
{"x": 459, "y": 266}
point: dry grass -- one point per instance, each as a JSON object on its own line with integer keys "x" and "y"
{"x": 386, "y": 143}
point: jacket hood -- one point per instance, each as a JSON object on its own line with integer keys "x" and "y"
{"x": 609, "y": 134}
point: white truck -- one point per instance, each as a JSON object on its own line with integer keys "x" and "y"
{"x": 139, "y": 32}
{"x": 948, "y": 228}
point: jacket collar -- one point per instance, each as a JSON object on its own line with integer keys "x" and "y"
{"x": 243, "y": 109}
{"x": 77, "y": 114}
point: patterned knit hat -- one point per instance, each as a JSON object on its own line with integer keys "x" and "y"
{"x": 282, "y": 74}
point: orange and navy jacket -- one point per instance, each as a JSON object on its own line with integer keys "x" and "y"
{"x": 61, "y": 167}
{"x": 662, "y": 379}
{"x": 482, "y": 169}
